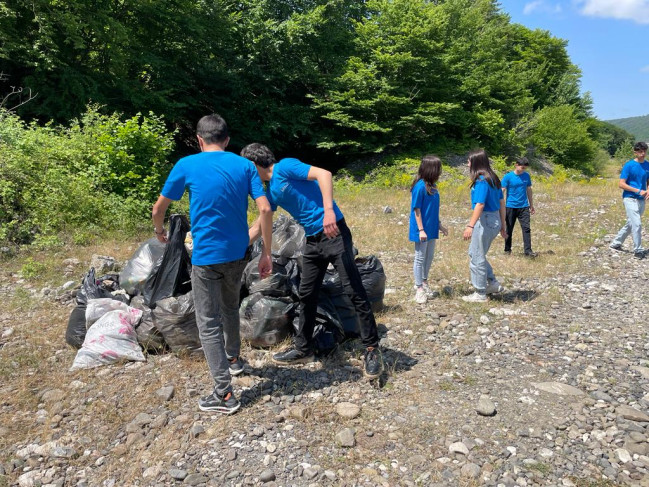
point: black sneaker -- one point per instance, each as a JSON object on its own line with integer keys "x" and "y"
{"x": 531, "y": 255}
{"x": 373, "y": 363}
{"x": 615, "y": 247}
{"x": 227, "y": 404}
{"x": 293, "y": 356}
{"x": 236, "y": 365}
{"x": 639, "y": 255}
{"x": 508, "y": 252}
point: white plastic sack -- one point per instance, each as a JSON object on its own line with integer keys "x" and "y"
{"x": 111, "y": 339}
{"x": 141, "y": 266}
{"x": 97, "y": 308}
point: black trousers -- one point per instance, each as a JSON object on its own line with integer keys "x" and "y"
{"x": 319, "y": 251}
{"x": 523, "y": 217}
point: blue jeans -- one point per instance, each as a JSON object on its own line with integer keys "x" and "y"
{"x": 484, "y": 232}
{"x": 216, "y": 300}
{"x": 634, "y": 209}
{"x": 424, "y": 253}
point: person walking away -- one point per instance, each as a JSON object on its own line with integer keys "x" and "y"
{"x": 517, "y": 186}
{"x": 424, "y": 222}
{"x": 633, "y": 183}
{"x": 219, "y": 184}
{"x": 487, "y": 220}
{"x": 306, "y": 193}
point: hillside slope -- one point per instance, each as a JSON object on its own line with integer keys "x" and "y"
{"x": 638, "y": 126}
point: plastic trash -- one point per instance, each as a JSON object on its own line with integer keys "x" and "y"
{"x": 288, "y": 239}
{"x": 96, "y": 308}
{"x": 148, "y": 336}
{"x": 266, "y": 320}
{"x": 277, "y": 284}
{"x": 372, "y": 275}
{"x": 175, "y": 319}
{"x": 76, "y": 330}
{"x": 141, "y": 266}
{"x": 106, "y": 286}
{"x": 173, "y": 276}
{"x": 111, "y": 339}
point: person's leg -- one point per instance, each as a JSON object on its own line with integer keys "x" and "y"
{"x": 418, "y": 265}
{"x": 625, "y": 230}
{"x": 428, "y": 257}
{"x": 491, "y": 224}
{"x": 634, "y": 209}
{"x": 207, "y": 284}
{"x": 230, "y": 288}
{"x": 510, "y": 220}
{"x": 477, "y": 259}
{"x": 524, "y": 220}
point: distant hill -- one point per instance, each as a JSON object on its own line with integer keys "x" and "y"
{"x": 638, "y": 126}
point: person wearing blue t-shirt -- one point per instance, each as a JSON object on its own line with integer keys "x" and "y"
{"x": 424, "y": 222}
{"x": 306, "y": 192}
{"x": 219, "y": 184}
{"x": 487, "y": 220}
{"x": 517, "y": 186}
{"x": 633, "y": 183}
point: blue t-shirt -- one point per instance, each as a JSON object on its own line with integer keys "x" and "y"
{"x": 219, "y": 184}
{"x": 635, "y": 174}
{"x": 483, "y": 192}
{"x": 516, "y": 186}
{"x": 428, "y": 205}
{"x": 290, "y": 189}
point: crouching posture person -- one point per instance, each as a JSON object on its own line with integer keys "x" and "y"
{"x": 306, "y": 192}
{"x": 219, "y": 183}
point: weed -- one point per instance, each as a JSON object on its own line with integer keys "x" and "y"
{"x": 32, "y": 269}
{"x": 542, "y": 468}
{"x": 447, "y": 386}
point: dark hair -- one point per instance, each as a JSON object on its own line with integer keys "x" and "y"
{"x": 479, "y": 166}
{"x": 212, "y": 129}
{"x": 259, "y": 154}
{"x": 640, "y": 146}
{"x": 522, "y": 161}
{"x": 429, "y": 170}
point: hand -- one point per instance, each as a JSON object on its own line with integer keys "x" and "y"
{"x": 468, "y": 231}
{"x": 422, "y": 236}
{"x": 162, "y": 237}
{"x": 444, "y": 230}
{"x": 265, "y": 266}
{"x": 329, "y": 224}
{"x": 532, "y": 210}
{"x": 503, "y": 232}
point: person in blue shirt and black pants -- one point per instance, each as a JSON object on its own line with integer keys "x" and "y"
{"x": 517, "y": 186}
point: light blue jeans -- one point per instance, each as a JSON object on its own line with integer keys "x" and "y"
{"x": 634, "y": 209}
{"x": 424, "y": 253}
{"x": 484, "y": 232}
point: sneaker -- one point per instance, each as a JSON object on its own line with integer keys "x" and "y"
{"x": 429, "y": 292}
{"x": 236, "y": 366}
{"x": 531, "y": 255}
{"x": 494, "y": 287}
{"x": 293, "y": 356}
{"x": 508, "y": 252}
{"x": 639, "y": 255}
{"x": 615, "y": 247}
{"x": 227, "y": 404}
{"x": 372, "y": 363}
{"x": 420, "y": 295}
{"x": 475, "y": 298}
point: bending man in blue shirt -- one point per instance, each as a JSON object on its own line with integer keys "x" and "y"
{"x": 633, "y": 182}
{"x": 219, "y": 183}
{"x": 306, "y": 192}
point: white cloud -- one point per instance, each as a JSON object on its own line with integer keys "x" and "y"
{"x": 645, "y": 69}
{"x": 636, "y": 10}
{"x": 541, "y": 6}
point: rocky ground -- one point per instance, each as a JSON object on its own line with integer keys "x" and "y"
{"x": 546, "y": 384}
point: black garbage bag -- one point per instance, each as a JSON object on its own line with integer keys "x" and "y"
{"x": 102, "y": 287}
{"x": 173, "y": 275}
{"x": 175, "y": 319}
{"x": 372, "y": 275}
{"x": 328, "y": 330}
{"x": 75, "y": 333}
{"x": 277, "y": 284}
{"x": 143, "y": 263}
{"x": 288, "y": 239}
{"x": 148, "y": 336}
{"x": 266, "y": 320}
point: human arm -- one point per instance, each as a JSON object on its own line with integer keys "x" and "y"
{"x": 265, "y": 227}
{"x": 420, "y": 225}
{"x": 503, "y": 224}
{"x": 325, "y": 182}
{"x": 475, "y": 216}
{"x": 443, "y": 229}
{"x": 158, "y": 217}
{"x": 622, "y": 184}
{"x": 530, "y": 200}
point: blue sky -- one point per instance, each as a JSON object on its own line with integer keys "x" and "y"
{"x": 607, "y": 39}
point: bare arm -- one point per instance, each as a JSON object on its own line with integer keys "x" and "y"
{"x": 503, "y": 224}
{"x": 420, "y": 225}
{"x": 475, "y": 216}
{"x": 325, "y": 181}
{"x": 622, "y": 185}
{"x": 531, "y": 200}
{"x": 158, "y": 217}
{"x": 265, "y": 224}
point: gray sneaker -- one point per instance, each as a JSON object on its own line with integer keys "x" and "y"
{"x": 227, "y": 404}
{"x": 615, "y": 247}
{"x": 475, "y": 298}
{"x": 236, "y": 366}
{"x": 494, "y": 287}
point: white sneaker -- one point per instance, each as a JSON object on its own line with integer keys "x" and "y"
{"x": 494, "y": 287}
{"x": 429, "y": 292}
{"x": 475, "y": 298}
{"x": 420, "y": 296}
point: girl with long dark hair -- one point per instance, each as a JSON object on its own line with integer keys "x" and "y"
{"x": 424, "y": 222}
{"x": 487, "y": 220}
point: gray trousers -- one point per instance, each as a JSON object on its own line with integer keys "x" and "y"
{"x": 485, "y": 230}
{"x": 216, "y": 300}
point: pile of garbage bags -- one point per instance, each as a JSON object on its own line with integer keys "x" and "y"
{"x": 149, "y": 305}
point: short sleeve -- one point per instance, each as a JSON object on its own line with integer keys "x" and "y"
{"x": 529, "y": 180}
{"x": 480, "y": 192}
{"x": 417, "y": 197}
{"x": 256, "y": 187}
{"x": 295, "y": 169}
{"x": 625, "y": 172}
{"x": 505, "y": 181}
{"x": 174, "y": 187}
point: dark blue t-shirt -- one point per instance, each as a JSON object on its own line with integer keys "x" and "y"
{"x": 516, "y": 186}
{"x": 219, "y": 184}
{"x": 428, "y": 205}
{"x": 483, "y": 192}
{"x": 635, "y": 174}
{"x": 290, "y": 189}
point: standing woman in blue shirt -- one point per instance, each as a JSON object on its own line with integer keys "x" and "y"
{"x": 487, "y": 220}
{"x": 424, "y": 222}
{"x": 517, "y": 185}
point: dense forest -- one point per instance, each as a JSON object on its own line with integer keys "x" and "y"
{"x": 637, "y": 126}
{"x": 109, "y": 91}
